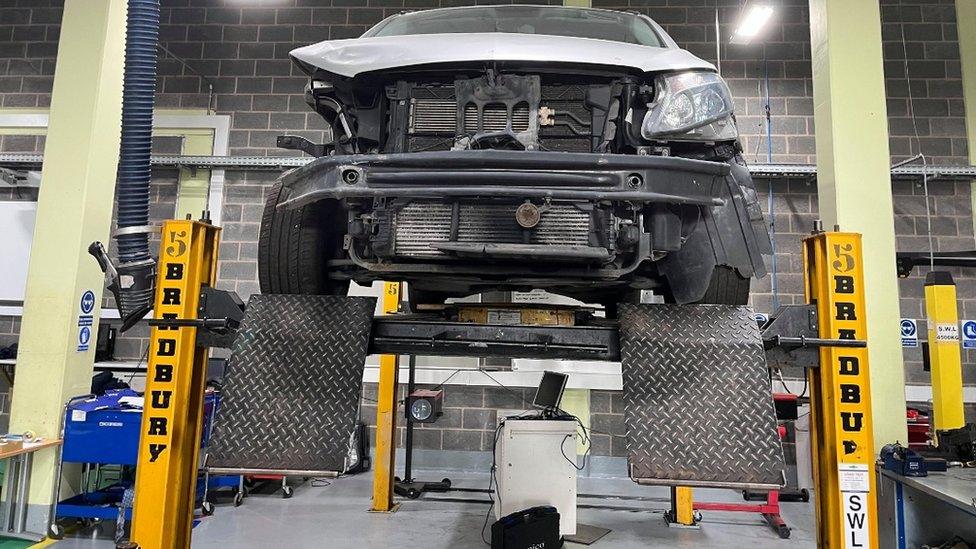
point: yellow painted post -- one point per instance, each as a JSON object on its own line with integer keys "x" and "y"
{"x": 386, "y": 415}
{"x": 840, "y": 395}
{"x": 854, "y": 180}
{"x": 966, "y": 29}
{"x": 166, "y": 473}
{"x": 945, "y": 356}
{"x": 74, "y": 208}
{"x": 682, "y": 502}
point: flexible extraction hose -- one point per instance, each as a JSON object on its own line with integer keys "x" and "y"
{"x": 138, "y": 98}
{"x": 133, "y": 280}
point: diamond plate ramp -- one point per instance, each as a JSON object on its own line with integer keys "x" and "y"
{"x": 292, "y": 385}
{"x": 697, "y": 403}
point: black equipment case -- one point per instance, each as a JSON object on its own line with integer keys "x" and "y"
{"x": 534, "y": 528}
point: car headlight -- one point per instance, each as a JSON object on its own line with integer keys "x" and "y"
{"x": 688, "y": 101}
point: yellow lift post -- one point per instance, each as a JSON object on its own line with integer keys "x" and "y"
{"x": 841, "y": 435}
{"x": 386, "y": 414}
{"x": 842, "y": 442}
{"x": 169, "y": 447}
{"x": 945, "y": 357}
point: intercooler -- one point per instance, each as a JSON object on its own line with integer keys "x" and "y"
{"x": 439, "y": 116}
{"x": 419, "y": 224}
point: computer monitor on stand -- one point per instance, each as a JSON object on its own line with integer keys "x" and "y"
{"x": 550, "y": 392}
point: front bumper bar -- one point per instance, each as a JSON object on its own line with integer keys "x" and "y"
{"x": 512, "y": 174}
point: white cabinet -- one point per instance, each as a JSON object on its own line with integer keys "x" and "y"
{"x": 531, "y": 469}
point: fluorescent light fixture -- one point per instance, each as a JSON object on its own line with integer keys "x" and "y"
{"x": 752, "y": 22}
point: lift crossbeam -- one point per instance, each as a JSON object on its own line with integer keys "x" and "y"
{"x": 427, "y": 337}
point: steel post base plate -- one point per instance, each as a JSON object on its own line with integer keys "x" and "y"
{"x": 292, "y": 385}
{"x": 697, "y": 403}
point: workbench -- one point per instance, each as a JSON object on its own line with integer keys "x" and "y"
{"x": 19, "y": 457}
{"x": 916, "y": 511}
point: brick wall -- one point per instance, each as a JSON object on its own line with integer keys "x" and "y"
{"x": 240, "y": 46}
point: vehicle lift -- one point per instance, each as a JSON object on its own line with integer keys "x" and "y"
{"x": 832, "y": 325}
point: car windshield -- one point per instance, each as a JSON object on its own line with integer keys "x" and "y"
{"x": 553, "y": 21}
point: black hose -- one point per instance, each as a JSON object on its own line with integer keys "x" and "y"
{"x": 138, "y": 97}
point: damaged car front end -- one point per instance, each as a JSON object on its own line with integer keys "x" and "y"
{"x": 591, "y": 166}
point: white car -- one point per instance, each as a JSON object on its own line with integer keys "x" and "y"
{"x": 576, "y": 150}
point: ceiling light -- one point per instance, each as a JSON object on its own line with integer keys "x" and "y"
{"x": 752, "y": 22}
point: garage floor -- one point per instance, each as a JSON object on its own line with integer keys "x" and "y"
{"x": 335, "y": 516}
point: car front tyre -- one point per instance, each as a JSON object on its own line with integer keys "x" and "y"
{"x": 295, "y": 245}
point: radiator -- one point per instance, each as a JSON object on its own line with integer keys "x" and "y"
{"x": 419, "y": 224}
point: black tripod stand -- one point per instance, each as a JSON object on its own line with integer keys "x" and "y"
{"x": 408, "y": 486}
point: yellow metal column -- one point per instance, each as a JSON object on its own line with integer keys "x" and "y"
{"x": 854, "y": 181}
{"x": 169, "y": 446}
{"x": 966, "y": 29}
{"x": 74, "y": 208}
{"x": 386, "y": 410}
{"x": 945, "y": 356}
{"x": 683, "y": 505}
{"x": 840, "y": 394}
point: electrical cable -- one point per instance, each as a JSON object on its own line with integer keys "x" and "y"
{"x": 918, "y": 143}
{"x": 586, "y": 439}
{"x": 774, "y": 287}
{"x": 779, "y": 376}
{"x": 499, "y": 383}
{"x": 454, "y": 373}
{"x": 759, "y": 126}
{"x": 782, "y": 381}
{"x": 138, "y": 364}
{"x": 491, "y": 480}
{"x": 211, "y": 96}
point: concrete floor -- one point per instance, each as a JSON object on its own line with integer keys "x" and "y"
{"x": 335, "y": 516}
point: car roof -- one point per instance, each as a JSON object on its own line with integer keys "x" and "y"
{"x": 515, "y": 6}
{"x": 666, "y": 38}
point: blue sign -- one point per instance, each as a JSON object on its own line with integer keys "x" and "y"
{"x": 969, "y": 334}
{"x": 84, "y": 336}
{"x": 909, "y": 332}
{"x": 87, "y": 302}
{"x": 85, "y": 320}
{"x": 761, "y": 319}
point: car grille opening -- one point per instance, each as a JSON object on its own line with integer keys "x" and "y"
{"x": 419, "y": 224}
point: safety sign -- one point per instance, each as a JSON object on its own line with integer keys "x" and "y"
{"x": 947, "y": 332}
{"x": 969, "y": 334}
{"x": 909, "y": 332}
{"x": 86, "y": 321}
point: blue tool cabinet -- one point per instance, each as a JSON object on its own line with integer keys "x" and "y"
{"x": 105, "y": 431}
